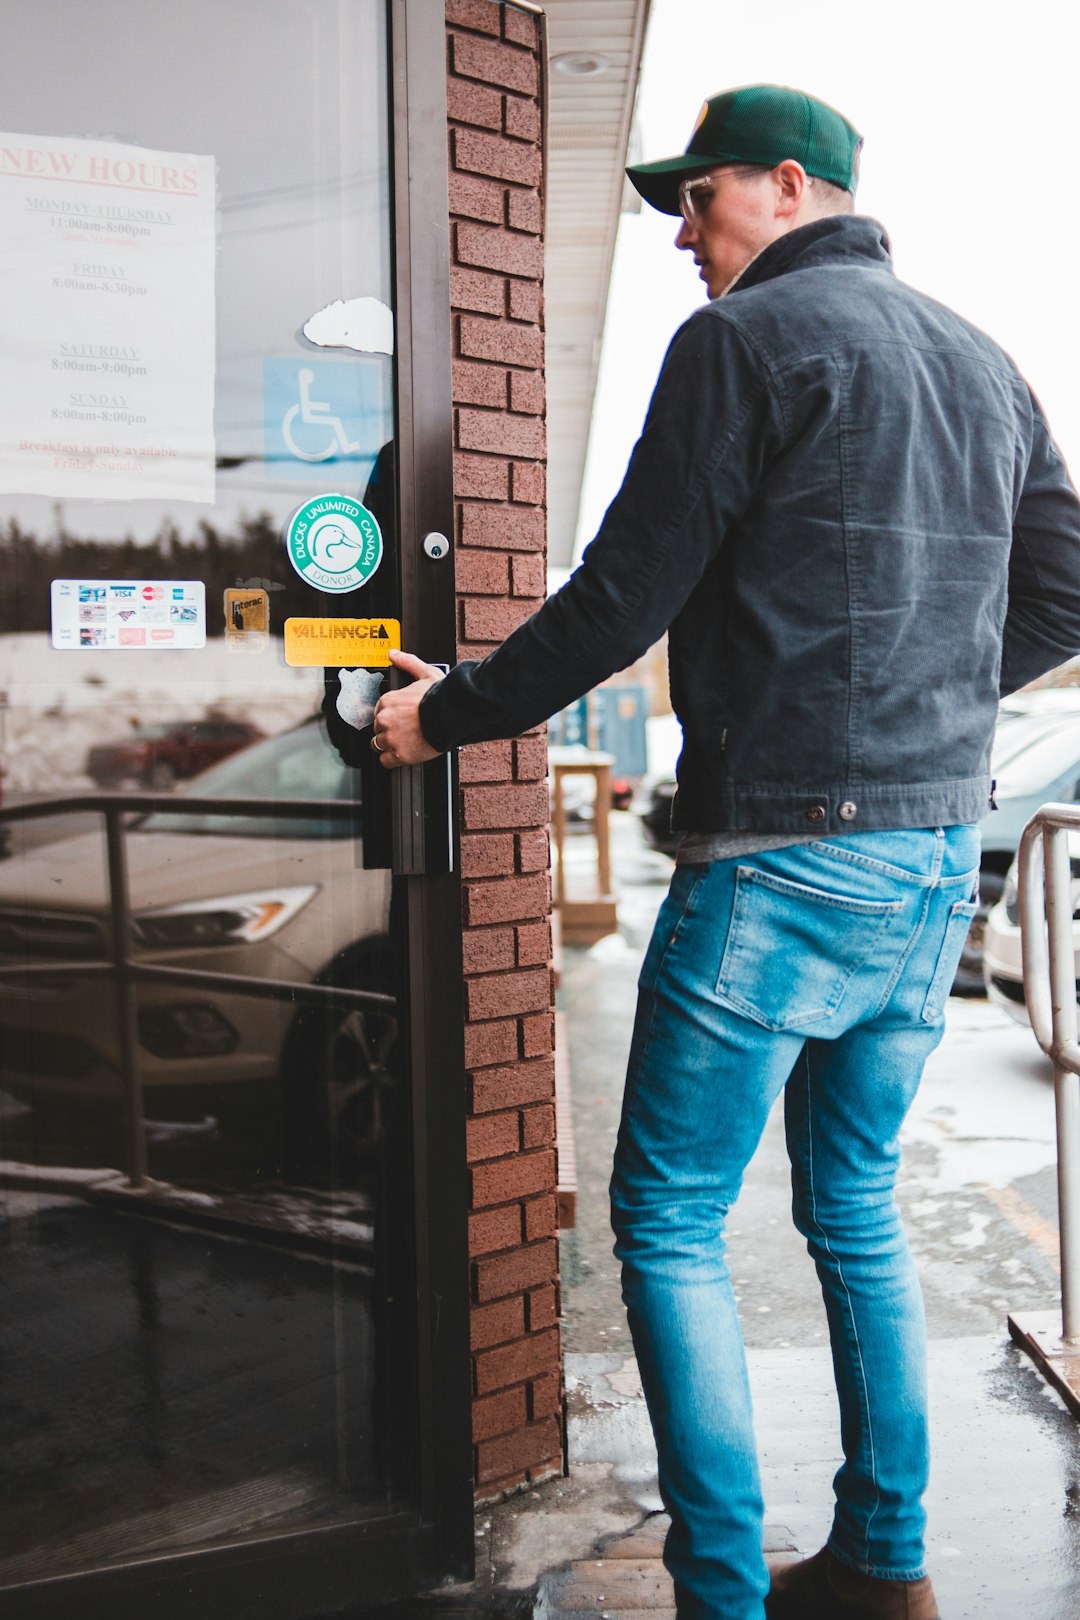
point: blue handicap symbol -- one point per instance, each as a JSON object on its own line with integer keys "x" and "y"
{"x": 323, "y": 416}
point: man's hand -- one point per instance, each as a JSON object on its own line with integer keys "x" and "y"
{"x": 398, "y": 739}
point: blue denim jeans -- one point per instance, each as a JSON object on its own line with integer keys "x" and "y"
{"x": 823, "y": 967}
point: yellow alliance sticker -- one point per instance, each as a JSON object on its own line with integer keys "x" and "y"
{"x": 341, "y": 643}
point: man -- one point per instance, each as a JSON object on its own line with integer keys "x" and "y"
{"x": 846, "y": 507}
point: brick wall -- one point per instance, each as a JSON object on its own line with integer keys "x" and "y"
{"x": 493, "y": 95}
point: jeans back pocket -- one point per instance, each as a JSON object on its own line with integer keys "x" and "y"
{"x": 956, "y": 931}
{"x": 792, "y": 950}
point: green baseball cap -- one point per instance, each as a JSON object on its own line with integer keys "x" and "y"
{"x": 757, "y": 123}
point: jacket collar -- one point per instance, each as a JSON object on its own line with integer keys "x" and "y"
{"x": 852, "y": 239}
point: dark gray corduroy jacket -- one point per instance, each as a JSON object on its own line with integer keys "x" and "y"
{"x": 847, "y": 507}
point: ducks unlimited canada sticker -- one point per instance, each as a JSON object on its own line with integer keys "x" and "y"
{"x": 334, "y": 543}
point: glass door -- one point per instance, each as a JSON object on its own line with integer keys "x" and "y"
{"x": 215, "y": 1387}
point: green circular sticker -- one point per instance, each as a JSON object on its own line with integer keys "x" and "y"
{"x": 334, "y": 543}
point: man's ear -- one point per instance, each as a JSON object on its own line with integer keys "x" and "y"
{"x": 791, "y": 181}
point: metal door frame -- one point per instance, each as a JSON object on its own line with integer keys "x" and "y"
{"x": 312, "y": 1574}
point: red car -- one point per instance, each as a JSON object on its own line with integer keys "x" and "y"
{"x": 156, "y": 756}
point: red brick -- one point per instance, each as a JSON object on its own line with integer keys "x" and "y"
{"x": 480, "y": 572}
{"x": 514, "y": 1363}
{"x": 487, "y": 248}
{"x": 514, "y": 899}
{"x": 538, "y": 1035}
{"x": 471, "y": 289}
{"x": 507, "y": 528}
{"x": 491, "y": 1043}
{"x": 499, "y": 1414}
{"x": 527, "y": 392}
{"x": 495, "y": 64}
{"x": 541, "y": 1218}
{"x": 524, "y": 211}
{"x": 534, "y": 945}
{"x": 495, "y": 1324}
{"x": 512, "y": 1178}
{"x": 487, "y": 855}
{"x": 530, "y": 758}
{"x": 533, "y": 851}
{"x": 498, "y": 433}
{"x": 539, "y": 1443}
{"x": 520, "y": 804}
{"x": 506, "y": 342}
{"x": 528, "y": 481}
{"x": 480, "y": 14}
{"x": 485, "y": 762}
{"x": 541, "y": 1308}
{"x": 513, "y": 1086}
{"x": 497, "y": 1490}
{"x": 519, "y": 27}
{"x": 492, "y": 1137}
{"x": 528, "y": 573}
{"x": 538, "y": 1126}
{"x": 483, "y": 478}
{"x": 489, "y": 950}
{"x": 545, "y": 1396}
{"x": 487, "y": 620}
{"x": 520, "y": 992}
{"x": 476, "y": 199}
{"x": 470, "y": 103}
{"x": 495, "y": 1229}
{"x": 477, "y": 152}
{"x": 522, "y": 119}
{"x": 479, "y": 385}
{"x": 526, "y": 301}
{"x": 475, "y": 649}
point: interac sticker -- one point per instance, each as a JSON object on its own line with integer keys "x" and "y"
{"x": 247, "y": 620}
{"x": 341, "y": 643}
{"x": 246, "y": 611}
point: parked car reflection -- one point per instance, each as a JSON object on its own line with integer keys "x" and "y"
{"x": 273, "y": 898}
{"x": 156, "y": 756}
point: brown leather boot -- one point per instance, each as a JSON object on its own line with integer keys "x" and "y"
{"x": 822, "y": 1588}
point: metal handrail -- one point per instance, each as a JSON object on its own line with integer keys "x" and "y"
{"x": 1046, "y": 934}
{"x": 128, "y": 970}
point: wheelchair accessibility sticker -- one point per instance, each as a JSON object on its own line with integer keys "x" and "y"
{"x": 325, "y": 413}
{"x": 334, "y": 543}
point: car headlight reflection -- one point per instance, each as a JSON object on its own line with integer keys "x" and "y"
{"x": 228, "y": 919}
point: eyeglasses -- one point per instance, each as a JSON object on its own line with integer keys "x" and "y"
{"x": 695, "y": 195}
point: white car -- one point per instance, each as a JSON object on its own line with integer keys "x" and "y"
{"x": 1003, "y": 969}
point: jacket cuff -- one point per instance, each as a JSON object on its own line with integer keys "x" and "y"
{"x": 431, "y": 720}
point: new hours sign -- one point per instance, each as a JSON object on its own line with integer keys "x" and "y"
{"x": 107, "y": 320}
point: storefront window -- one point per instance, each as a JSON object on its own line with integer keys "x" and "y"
{"x": 199, "y": 1194}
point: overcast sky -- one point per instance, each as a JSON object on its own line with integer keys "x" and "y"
{"x": 969, "y": 111}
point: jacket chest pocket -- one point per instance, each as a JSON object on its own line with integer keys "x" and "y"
{"x": 792, "y": 950}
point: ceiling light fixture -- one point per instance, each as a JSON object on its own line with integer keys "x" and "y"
{"x": 580, "y": 64}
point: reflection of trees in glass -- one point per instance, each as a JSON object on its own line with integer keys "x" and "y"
{"x": 252, "y": 553}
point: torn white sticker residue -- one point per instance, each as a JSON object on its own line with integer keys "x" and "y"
{"x": 366, "y": 324}
{"x": 358, "y": 696}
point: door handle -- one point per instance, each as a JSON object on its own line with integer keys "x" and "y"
{"x": 422, "y": 820}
